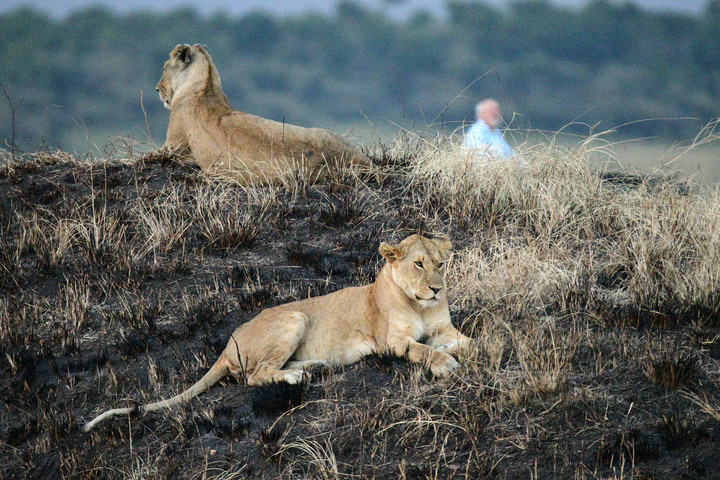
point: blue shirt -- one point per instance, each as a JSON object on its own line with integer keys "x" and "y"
{"x": 484, "y": 139}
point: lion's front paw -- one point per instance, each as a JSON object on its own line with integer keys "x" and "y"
{"x": 443, "y": 364}
{"x": 467, "y": 345}
{"x": 462, "y": 345}
{"x": 448, "y": 347}
{"x": 295, "y": 376}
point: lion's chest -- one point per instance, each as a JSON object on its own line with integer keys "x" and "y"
{"x": 411, "y": 325}
{"x": 419, "y": 329}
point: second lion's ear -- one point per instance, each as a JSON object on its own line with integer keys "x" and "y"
{"x": 442, "y": 242}
{"x": 391, "y": 253}
{"x": 182, "y": 53}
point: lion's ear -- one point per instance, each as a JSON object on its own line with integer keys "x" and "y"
{"x": 391, "y": 253}
{"x": 182, "y": 53}
{"x": 443, "y": 243}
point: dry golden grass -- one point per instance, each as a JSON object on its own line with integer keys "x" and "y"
{"x": 555, "y": 233}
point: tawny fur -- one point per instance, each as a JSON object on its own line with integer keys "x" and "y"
{"x": 254, "y": 150}
{"x": 406, "y": 303}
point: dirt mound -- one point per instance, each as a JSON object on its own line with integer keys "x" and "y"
{"x": 121, "y": 281}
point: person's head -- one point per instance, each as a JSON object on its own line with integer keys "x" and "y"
{"x": 489, "y": 112}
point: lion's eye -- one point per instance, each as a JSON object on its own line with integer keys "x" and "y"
{"x": 419, "y": 265}
{"x": 441, "y": 264}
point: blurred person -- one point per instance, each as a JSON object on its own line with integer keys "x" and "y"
{"x": 484, "y": 137}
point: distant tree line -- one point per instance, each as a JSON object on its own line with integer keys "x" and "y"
{"x": 90, "y": 77}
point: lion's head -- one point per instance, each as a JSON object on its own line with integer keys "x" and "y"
{"x": 417, "y": 267}
{"x": 189, "y": 67}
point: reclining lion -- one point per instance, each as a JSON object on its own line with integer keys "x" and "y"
{"x": 252, "y": 149}
{"x": 406, "y": 303}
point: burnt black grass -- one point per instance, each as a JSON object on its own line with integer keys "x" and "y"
{"x": 593, "y": 298}
{"x": 276, "y": 398}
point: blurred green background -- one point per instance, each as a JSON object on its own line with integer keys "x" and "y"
{"x": 82, "y": 81}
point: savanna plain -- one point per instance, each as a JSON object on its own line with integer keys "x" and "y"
{"x": 594, "y": 298}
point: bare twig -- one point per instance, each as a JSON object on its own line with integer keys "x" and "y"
{"x": 13, "y": 111}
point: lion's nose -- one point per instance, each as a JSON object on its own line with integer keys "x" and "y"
{"x": 435, "y": 290}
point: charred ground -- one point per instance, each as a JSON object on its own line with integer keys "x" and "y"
{"x": 122, "y": 279}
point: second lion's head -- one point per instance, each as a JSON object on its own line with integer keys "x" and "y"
{"x": 188, "y": 70}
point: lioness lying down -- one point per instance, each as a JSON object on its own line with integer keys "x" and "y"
{"x": 406, "y": 303}
{"x": 252, "y": 149}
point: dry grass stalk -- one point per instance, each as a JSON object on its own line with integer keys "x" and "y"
{"x": 165, "y": 220}
{"x": 226, "y": 219}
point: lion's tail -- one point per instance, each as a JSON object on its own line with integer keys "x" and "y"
{"x": 216, "y": 372}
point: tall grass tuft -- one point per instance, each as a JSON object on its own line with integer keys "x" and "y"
{"x": 557, "y": 236}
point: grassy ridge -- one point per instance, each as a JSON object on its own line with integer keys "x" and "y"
{"x": 595, "y": 304}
